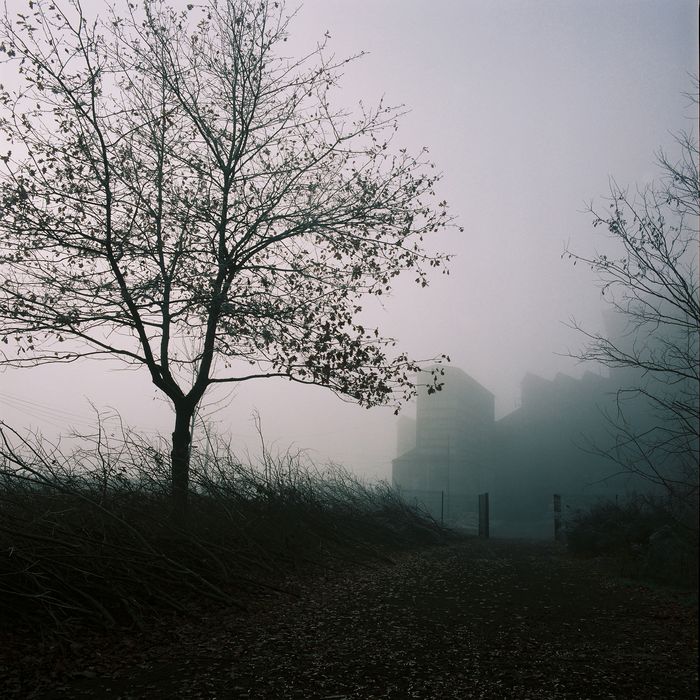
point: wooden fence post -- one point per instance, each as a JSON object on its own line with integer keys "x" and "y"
{"x": 484, "y": 515}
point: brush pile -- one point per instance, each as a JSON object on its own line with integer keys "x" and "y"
{"x": 88, "y": 537}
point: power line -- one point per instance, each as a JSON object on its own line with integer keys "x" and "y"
{"x": 42, "y": 413}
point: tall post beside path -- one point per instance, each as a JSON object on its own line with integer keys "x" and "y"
{"x": 483, "y": 515}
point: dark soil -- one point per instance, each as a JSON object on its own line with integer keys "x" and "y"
{"x": 474, "y": 619}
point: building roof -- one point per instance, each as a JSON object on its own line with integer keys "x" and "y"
{"x": 458, "y": 378}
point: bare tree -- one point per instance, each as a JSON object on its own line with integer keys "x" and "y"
{"x": 650, "y": 280}
{"x": 179, "y": 195}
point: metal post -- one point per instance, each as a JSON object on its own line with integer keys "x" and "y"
{"x": 448, "y": 476}
{"x": 557, "y": 517}
{"x": 484, "y": 515}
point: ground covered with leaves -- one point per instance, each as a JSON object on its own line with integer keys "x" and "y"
{"x": 470, "y": 619}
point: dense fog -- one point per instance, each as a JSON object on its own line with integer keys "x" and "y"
{"x": 528, "y": 109}
{"x": 240, "y": 207}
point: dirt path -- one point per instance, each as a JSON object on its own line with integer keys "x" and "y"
{"x": 479, "y": 619}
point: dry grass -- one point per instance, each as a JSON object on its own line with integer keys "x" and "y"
{"x": 87, "y": 536}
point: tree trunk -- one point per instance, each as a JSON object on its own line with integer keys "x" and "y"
{"x": 180, "y": 463}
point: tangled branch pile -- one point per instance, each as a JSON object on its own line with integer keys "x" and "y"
{"x": 88, "y": 537}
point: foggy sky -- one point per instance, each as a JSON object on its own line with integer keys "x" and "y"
{"x": 528, "y": 108}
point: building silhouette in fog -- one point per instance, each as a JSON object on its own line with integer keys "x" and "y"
{"x": 452, "y": 438}
{"x": 550, "y": 444}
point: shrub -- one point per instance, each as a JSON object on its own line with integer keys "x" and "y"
{"x": 643, "y": 535}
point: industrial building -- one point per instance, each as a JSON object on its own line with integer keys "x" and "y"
{"x": 551, "y": 444}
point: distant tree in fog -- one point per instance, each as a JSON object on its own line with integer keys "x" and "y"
{"x": 178, "y": 195}
{"x": 649, "y": 278}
